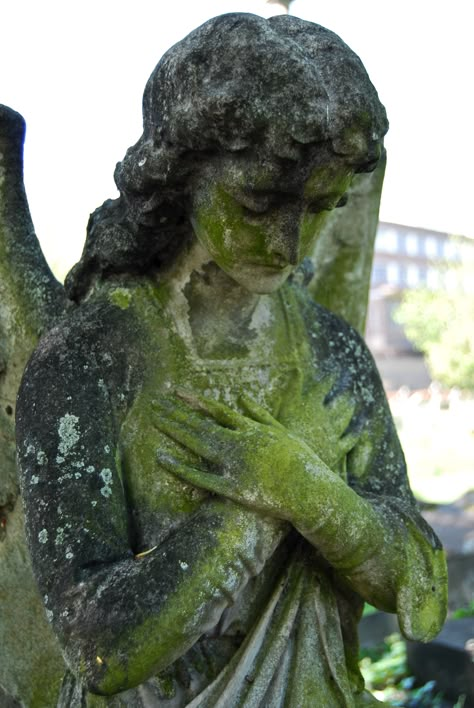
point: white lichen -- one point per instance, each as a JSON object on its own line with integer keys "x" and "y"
{"x": 43, "y": 536}
{"x": 102, "y": 386}
{"x": 68, "y": 433}
{"x": 41, "y": 457}
{"x": 106, "y": 475}
{"x": 59, "y": 536}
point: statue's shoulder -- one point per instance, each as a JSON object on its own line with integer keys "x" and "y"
{"x": 89, "y": 326}
{"x": 318, "y": 319}
{"x": 98, "y": 340}
{"x": 335, "y": 341}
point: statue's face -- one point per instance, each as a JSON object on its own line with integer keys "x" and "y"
{"x": 258, "y": 224}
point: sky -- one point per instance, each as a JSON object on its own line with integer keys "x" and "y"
{"x": 76, "y": 72}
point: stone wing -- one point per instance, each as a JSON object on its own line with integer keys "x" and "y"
{"x": 31, "y": 300}
{"x": 343, "y": 254}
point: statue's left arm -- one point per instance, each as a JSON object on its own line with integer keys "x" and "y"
{"x": 401, "y": 566}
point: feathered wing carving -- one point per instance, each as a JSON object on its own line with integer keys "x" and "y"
{"x": 344, "y": 252}
{"x": 31, "y": 300}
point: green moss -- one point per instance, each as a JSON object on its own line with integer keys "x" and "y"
{"x": 281, "y": 374}
{"x": 121, "y": 297}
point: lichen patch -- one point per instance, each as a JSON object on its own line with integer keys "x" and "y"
{"x": 68, "y": 433}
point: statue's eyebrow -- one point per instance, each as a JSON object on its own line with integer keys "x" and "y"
{"x": 289, "y": 190}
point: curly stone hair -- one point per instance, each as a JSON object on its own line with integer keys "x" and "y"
{"x": 238, "y": 83}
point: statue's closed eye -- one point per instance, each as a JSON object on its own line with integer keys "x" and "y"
{"x": 325, "y": 202}
{"x": 256, "y": 202}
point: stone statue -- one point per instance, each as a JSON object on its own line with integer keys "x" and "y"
{"x": 212, "y": 480}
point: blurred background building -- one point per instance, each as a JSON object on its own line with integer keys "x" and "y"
{"x": 406, "y": 257}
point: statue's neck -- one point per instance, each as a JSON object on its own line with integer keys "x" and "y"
{"x": 216, "y": 305}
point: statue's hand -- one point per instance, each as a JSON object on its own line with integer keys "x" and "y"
{"x": 251, "y": 459}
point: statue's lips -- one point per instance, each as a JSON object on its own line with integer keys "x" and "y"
{"x": 271, "y": 268}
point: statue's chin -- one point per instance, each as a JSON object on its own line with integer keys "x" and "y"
{"x": 261, "y": 280}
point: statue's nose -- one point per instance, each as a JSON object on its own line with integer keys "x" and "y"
{"x": 285, "y": 240}
{"x": 286, "y": 253}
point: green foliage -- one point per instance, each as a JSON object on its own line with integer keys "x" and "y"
{"x": 439, "y": 323}
{"x": 386, "y": 675}
{"x": 385, "y": 665}
{"x": 369, "y": 610}
{"x": 464, "y": 611}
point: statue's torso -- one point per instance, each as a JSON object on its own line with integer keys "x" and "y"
{"x": 271, "y": 361}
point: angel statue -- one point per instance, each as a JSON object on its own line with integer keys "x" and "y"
{"x": 211, "y": 479}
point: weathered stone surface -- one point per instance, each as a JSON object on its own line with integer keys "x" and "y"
{"x": 31, "y": 665}
{"x": 454, "y": 524}
{"x": 212, "y": 480}
{"x": 344, "y": 252}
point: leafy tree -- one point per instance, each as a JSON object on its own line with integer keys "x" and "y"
{"x": 440, "y": 322}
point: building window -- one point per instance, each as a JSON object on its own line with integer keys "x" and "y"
{"x": 393, "y": 274}
{"x": 450, "y": 251}
{"x": 413, "y": 276}
{"x": 431, "y": 247}
{"x": 379, "y": 273}
{"x": 387, "y": 241}
{"x": 411, "y": 244}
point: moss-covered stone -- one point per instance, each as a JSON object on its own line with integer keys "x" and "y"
{"x": 212, "y": 480}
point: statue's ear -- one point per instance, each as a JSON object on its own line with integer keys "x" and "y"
{"x": 31, "y": 300}
{"x": 344, "y": 252}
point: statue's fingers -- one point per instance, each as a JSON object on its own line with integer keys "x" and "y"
{"x": 220, "y": 412}
{"x": 204, "y": 480}
{"x": 258, "y": 413}
{"x": 205, "y": 445}
{"x": 348, "y": 441}
{"x": 192, "y": 418}
{"x": 341, "y": 415}
{"x": 180, "y": 452}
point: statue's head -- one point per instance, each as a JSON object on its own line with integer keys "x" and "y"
{"x": 259, "y": 110}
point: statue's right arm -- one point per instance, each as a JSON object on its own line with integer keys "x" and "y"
{"x": 120, "y": 617}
